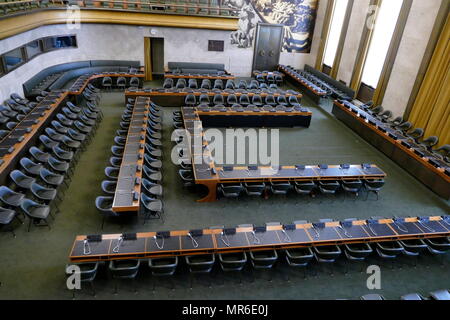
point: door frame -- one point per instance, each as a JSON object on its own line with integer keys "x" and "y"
{"x": 258, "y": 26}
{"x": 148, "y": 73}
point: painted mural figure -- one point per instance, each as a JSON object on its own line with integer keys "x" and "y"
{"x": 297, "y": 16}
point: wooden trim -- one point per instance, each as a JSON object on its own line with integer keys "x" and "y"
{"x": 364, "y": 45}
{"x": 392, "y": 52}
{"x": 432, "y": 42}
{"x": 325, "y": 33}
{"x": 11, "y": 26}
{"x": 148, "y": 59}
{"x": 340, "y": 48}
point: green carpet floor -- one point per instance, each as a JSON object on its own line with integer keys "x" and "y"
{"x": 32, "y": 264}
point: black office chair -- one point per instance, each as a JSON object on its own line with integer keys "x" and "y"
{"x": 117, "y": 151}
{"x": 357, "y": 252}
{"x": 232, "y": 99}
{"x": 412, "y": 296}
{"x": 405, "y": 126}
{"x": 87, "y": 272}
{"x": 152, "y": 189}
{"x": 254, "y": 189}
{"x": 352, "y": 187}
{"x": 244, "y": 100}
{"x": 373, "y": 296}
{"x": 190, "y": 100}
{"x": 270, "y": 100}
{"x": 200, "y": 264}
{"x": 429, "y": 142}
{"x": 206, "y": 84}
{"x": 389, "y": 250}
{"x": 263, "y": 260}
{"x": 11, "y": 198}
{"x": 109, "y": 187}
{"x": 413, "y": 248}
{"x": 7, "y": 217}
{"x": 187, "y": 177}
{"x": 47, "y": 142}
{"x": 328, "y": 188}
{"x": 443, "y": 152}
{"x": 230, "y": 190}
{"x": 218, "y": 99}
{"x": 115, "y": 161}
{"x": 163, "y": 267}
{"x": 281, "y": 100}
{"x": 35, "y": 212}
{"x": 112, "y": 173}
{"x": 230, "y": 84}
{"x": 51, "y": 178}
{"x": 299, "y": 258}
{"x": 304, "y": 187}
{"x": 168, "y": 83}
{"x": 234, "y": 262}
{"x": 374, "y": 186}
{"x": 440, "y": 295}
{"x": 104, "y": 207}
{"x": 416, "y": 134}
{"x": 438, "y": 247}
{"x": 204, "y": 99}
{"x": 153, "y": 208}
{"x": 21, "y": 180}
{"x": 280, "y": 188}
{"x": 218, "y": 84}
{"x": 124, "y": 270}
{"x": 107, "y": 82}
{"x": 257, "y": 100}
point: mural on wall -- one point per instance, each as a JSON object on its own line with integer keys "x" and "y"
{"x": 297, "y": 16}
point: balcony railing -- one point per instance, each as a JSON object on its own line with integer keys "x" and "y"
{"x": 182, "y": 7}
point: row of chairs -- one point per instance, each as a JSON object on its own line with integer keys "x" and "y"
{"x": 268, "y": 77}
{"x": 12, "y": 111}
{"x": 443, "y": 294}
{"x": 262, "y": 260}
{"x": 41, "y": 176}
{"x": 217, "y": 84}
{"x": 243, "y": 99}
{"x": 306, "y": 188}
{"x": 151, "y": 182}
{"x": 406, "y": 127}
{"x": 121, "y": 83}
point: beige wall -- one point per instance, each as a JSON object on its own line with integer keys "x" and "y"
{"x": 410, "y": 54}
{"x": 352, "y": 40}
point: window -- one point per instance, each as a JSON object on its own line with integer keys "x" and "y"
{"x": 17, "y": 57}
{"x": 33, "y": 48}
{"x": 13, "y": 59}
{"x": 52, "y": 43}
{"x": 337, "y": 21}
{"x": 381, "y": 40}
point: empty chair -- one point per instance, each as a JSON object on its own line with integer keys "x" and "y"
{"x": 230, "y": 84}
{"x": 232, "y": 99}
{"x": 278, "y": 79}
{"x": 270, "y": 78}
{"x": 168, "y": 83}
{"x": 218, "y": 84}
{"x": 200, "y": 264}
{"x": 109, "y": 186}
{"x": 39, "y": 155}
{"x": 429, "y": 142}
{"x": 204, "y": 99}
{"x": 405, "y": 126}
{"x": 134, "y": 82}
{"x": 396, "y": 122}
{"x": 192, "y": 83}
{"x": 327, "y": 254}
{"x": 64, "y": 120}
{"x": 35, "y": 212}
{"x": 263, "y": 260}
{"x": 121, "y": 83}
{"x": 230, "y": 190}
{"x": 48, "y": 143}
{"x": 152, "y": 189}
{"x": 87, "y": 273}
{"x": 254, "y": 188}
{"x": 30, "y": 167}
{"x": 374, "y": 186}
{"x": 218, "y": 99}
{"x": 7, "y": 217}
{"x": 163, "y": 267}
{"x": 372, "y": 296}
{"x": 352, "y": 187}
{"x": 299, "y": 258}
{"x": 293, "y": 101}
{"x": 206, "y": 84}
{"x": 190, "y": 100}
{"x": 280, "y": 188}
{"x": 21, "y": 180}
{"x": 51, "y": 178}
{"x": 117, "y": 151}
{"x": 112, "y": 173}
{"x": 257, "y": 100}
{"x": 328, "y": 187}
{"x": 357, "y": 252}
{"x": 104, "y": 207}
{"x": 254, "y": 85}
{"x": 416, "y": 134}
{"x": 43, "y": 194}
{"x": 232, "y": 262}
{"x": 115, "y": 162}
{"x": 107, "y": 82}
{"x": 59, "y": 127}
{"x": 389, "y": 250}
{"x": 443, "y": 152}
{"x": 11, "y": 198}
{"x": 153, "y": 208}
{"x": 244, "y": 100}
{"x": 242, "y": 84}
{"x": 413, "y": 248}
{"x": 124, "y": 270}
{"x": 270, "y": 100}
{"x": 59, "y": 166}
{"x": 187, "y": 177}
{"x": 412, "y": 296}
{"x": 263, "y": 85}
{"x": 281, "y": 100}
{"x": 181, "y": 83}
{"x": 62, "y": 154}
{"x": 304, "y": 187}
{"x": 440, "y": 295}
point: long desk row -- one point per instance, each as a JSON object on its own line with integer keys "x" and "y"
{"x": 175, "y": 97}
{"x": 315, "y": 92}
{"x": 18, "y": 141}
{"x": 196, "y": 242}
{"x": 80, "y": 84}
{"x": 424, "y": 165}
{"x": 208, "y": 174}
{"x": 128, "y": 190}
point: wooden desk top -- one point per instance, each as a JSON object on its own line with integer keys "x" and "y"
{"x": 207, "y": 172}
{"x": 52, "y": 101}
{"x": 128, "y": 190}
{"x": 170, "y": 243}
{"x": 296, "y": 77}
{"x": 197, "y": 92}
{"x": 400, "y": 141}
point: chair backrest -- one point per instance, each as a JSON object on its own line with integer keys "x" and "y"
{"x": 231, "y": 99}
{"x": 244, "y": 99}
{"x": 204, "y": 99}
{"x": 190, "y": 99}
{"x": 218, "y": 99}
{"x": 270, "y": 99}
{"x": 218, "y": 84}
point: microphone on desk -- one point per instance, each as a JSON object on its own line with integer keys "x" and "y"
{"x": 157, "y": 244}
{"x": 86, "y": 247}
{"x": 194, "y": 242}
{"x": 119, "y": 242}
